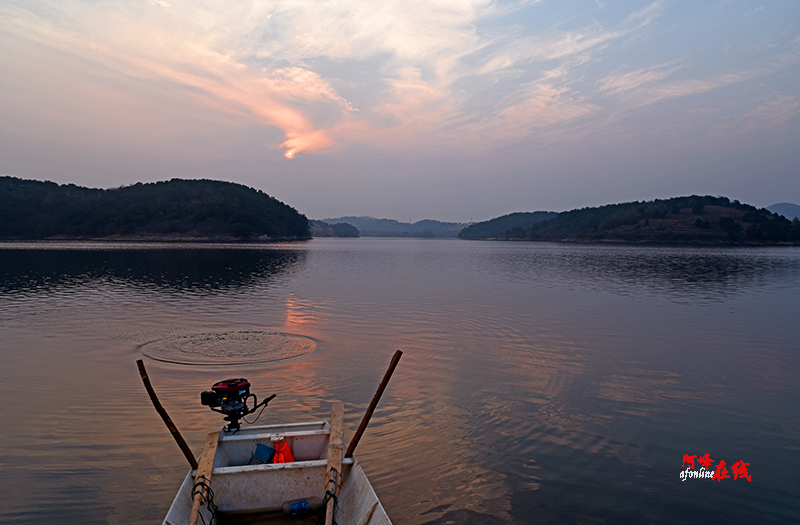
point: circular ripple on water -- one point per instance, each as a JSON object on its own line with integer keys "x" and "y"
{"x": 235, "y": 347}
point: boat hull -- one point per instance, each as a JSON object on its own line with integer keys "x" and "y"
{"x": 240, "y": 488}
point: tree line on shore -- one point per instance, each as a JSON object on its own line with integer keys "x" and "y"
{"x": 694, "y": 219}
{"x": 175, "y": 208}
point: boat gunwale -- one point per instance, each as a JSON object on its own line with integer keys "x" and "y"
{"x": 237, "y": 469}
{"x": 314, "y": 428}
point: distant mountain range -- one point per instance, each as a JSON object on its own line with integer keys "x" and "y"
{"x": 787, "y": 209}
{"x": 372, "y": 227}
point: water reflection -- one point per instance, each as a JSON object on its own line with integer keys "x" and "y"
{"x": 167, "y": 268}
{"x": 540, "y": 383}
{"x": 679, "y": 272}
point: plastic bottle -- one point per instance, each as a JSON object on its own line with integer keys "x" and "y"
{"x": 301, "y": 507}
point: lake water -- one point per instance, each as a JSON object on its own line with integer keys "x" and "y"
{"x": 540, "y": 383}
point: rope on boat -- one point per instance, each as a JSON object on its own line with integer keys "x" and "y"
{"x": 202, "y": 483}
{"x": 331, "y": 490}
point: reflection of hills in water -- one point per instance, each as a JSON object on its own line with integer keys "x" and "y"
{"x": 696, "y": 273}
{"x": 175, "y": 268}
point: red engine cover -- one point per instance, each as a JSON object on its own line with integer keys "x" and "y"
{"x": 231, "y": 385}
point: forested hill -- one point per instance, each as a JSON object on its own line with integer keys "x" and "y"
{"x": 695, "y": 219}
{"x": 511, "y": 224}
{"x": 185, "y": 209}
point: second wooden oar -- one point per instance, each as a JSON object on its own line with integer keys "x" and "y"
{"x": 372, "y": 405}
{"x": 202, "y": 481}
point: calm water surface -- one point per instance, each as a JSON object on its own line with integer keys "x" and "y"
{"x": 540, "y": 383}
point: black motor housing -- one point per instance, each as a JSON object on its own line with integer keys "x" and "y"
{"x": 226, "y": 391}
{"x": 230, "y": 397}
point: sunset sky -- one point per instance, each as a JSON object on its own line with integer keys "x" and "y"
{"x": 443, "y": 109}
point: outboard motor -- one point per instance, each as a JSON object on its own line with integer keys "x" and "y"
{"x": 230, "y": 397}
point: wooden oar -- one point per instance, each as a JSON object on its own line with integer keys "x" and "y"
{"x": 164, "y": 416}
{"x": 204, "y": 468}
{"x": 334, "y": 476}
{"x": 372, "y": 405}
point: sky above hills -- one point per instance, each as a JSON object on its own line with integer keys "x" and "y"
{"x": 444, "y": 109}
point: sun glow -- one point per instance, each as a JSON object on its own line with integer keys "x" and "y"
{"x": 313, "y": 141}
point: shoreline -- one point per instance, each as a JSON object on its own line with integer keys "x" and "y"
{"x": 160, "y": 239}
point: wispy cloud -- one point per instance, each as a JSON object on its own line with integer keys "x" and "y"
{"x": 461, "y": 72}
{"x": 646, "y": 14}
{"x": 621, "y": 82}
{"x": 199, "y": 55}
{"x": 776, "y": 112}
